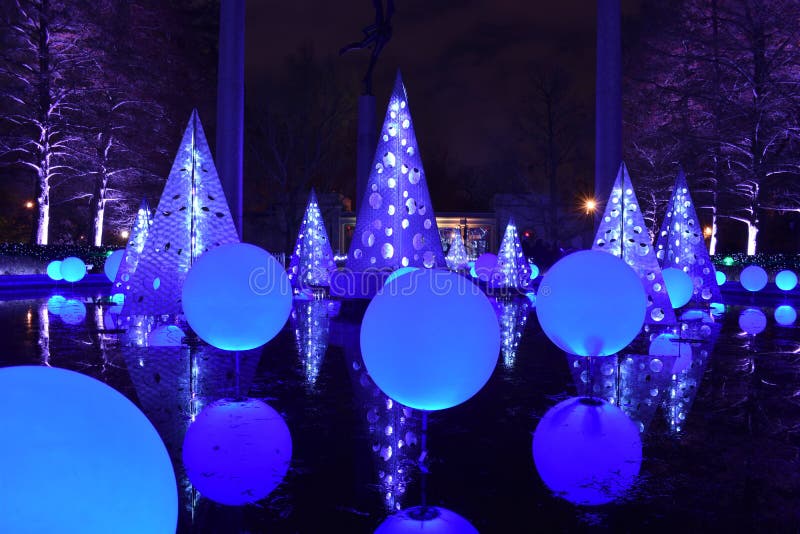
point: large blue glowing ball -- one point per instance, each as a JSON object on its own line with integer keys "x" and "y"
{"x": 534, "y": 271}
{"x": 576, "y": 299}
{"x": 721, "y": 278}
{"x": 73, "y": 311}
{"x": 785, "y": 315}
{"x": 54, "y": 270}
{"x": 398, "y": 273}
{"x": 73, "y": 269}
{"x": 786, "y": 280}
{"x": 587, "y": 451}
{"x": 679, "y": 286}
{"x": 752, "y": 321}
{"x": 77, "y": 456}
{"x": 485, "y": 266}
{"x": 753, "y": 278}
{"x": 237, "y": 451}
{"x": 55, "y": 303}
{"x": 428, "y": 519}
{"x": 237, "y": 297}
{"x": 408, "y": 355}
{"x": 112, "y": 264}
{"x": 165, "y": 336}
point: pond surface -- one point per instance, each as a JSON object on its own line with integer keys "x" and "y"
{"x": 720, "y": 436}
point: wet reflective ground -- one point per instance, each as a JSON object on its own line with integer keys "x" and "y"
{"x": 721, "y": 426}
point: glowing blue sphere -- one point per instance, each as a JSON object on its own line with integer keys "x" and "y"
{"x": 237, "y": 452}
{"x": 531, "y": 297}
{"x": 73, "y": 269}
{"x": 534, "y": 271}
{"x": 786, "y": 280}
{"x": 405, "y": 351}
{"x": 165, "y": 336}
{"x": 55, "y": 303}
{"x": 717, "y": 308}
{"x": 399, "y": 272}
{"x": 73, "y": 311}
{"x": 237, "y": 297}
{"x": 485, "y": 266}
{"x": 752, "y": 321}
{"x": 721, "y": 278}
{"x": 429, "y": 520}
{"x": 785, "y": 315}
{"x": 587, "y": 451}
{"x": 679, "y": 286}
{"x": 54, "y": 270}
{"x": 112, "y": 264}
{"x": 753, "y": 278}
{"x": 471, "y": 267}
{"x": 86, "y": 451}
{"x": 575, "y": 301}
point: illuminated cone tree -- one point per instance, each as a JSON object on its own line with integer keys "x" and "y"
{"x": 457, "y": 255}
{"x": 136, "y": 240}
{"x": 312, "y": 259}
{"x": 513, "y": 270}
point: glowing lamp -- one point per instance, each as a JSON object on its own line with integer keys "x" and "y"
{"x": 752, "y": 321}
{"x": 111, "y": 265}
{"x": 679, "y": 286}
{"x": 485, "y": 266}
{"x": 721, "y": 278}
{"x": 785, "y": 315}
{"x": 405, "y": 352}
{"x": 399, "y": 272}
{"x": 73, "y": 269}
{"x": 73, "y": 311}
{"x": 55, "y": 303}
{"x": 786, "y": 280}
{"x": 587, "y": 451}
{"x": 428, "y": 519}
{"x": 574, "y": 299}
{"x": 84, "y": 449}
{"x": 753, "y": 278}
{"x": 167, "y": 335}
{"x": 237, "y": 451}
{"x": 54, "y": 270}
{"x": 237, "y": 297}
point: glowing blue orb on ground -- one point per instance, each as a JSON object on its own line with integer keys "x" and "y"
{"x": 471, "y": 267}
{"x": 73, "y": 311}
{"x": 485, "y": 266}
{"x": 405, "y": 352}
{"x": 55, "y": 303}
{"x": 785, "y": 315}
{"x": 399, "y": 272}
{"x": 112, "y": 264}
{"x": 54, "y": 270}
{"x": 717, "y": 308}
{"x": 429, "y": 520}
{"x": 237, "y": 297}
{"x": 534, "y": 271}
{"x": 721, "y": 278}
{"x": 753, "y": 278}
{"x": 237, "y": 452}
{"x": 587, "y": 451}
{"x": 73, "y": 269}
{"x": 77, "y": 456}
{"x": 576, "y": 298}
{"x": 786, "y": 280}
{"x": 165, "y": 336}
{"x": 752, "y": 321}
{"x": 679, "y": 286}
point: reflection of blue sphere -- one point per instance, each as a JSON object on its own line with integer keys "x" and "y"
{"x": 55, "y": 303}
{"x": 753, "y": 321}
{"x": 73, "y": 269}
{"x": 54, "y": 270}
{"x": 399, "y": 272}
{"x": 237, "y": 452}
{"x": 679, "y": 286}
{"x": 587, "y": 451}
{"x": 405, "y": 351}
{"x": 534, "y": 271}
{"x": 575, "y": 298}
{"x": 429, "y": 520}
{"x": 785, "y": 315}
{"x": 165, "y": 336}
{"x": 112, "y": 264}
{"x": 73, "y": 311}
{"x": 721, "y": 278}
{"x": 753, "y": 278}
{"x": 485, "y": 266}
{"x": 237, "y": 297}
{"x": 786, "y": 280}
{"x": 84, "y": 449}
{"x": 531, "y": 297}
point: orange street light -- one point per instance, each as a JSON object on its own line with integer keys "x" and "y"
{"x": 29, "y": 204}
{"x": 590, "y": 205}
{"x": 707, "y": 231}
{"x": 124, "y": 234}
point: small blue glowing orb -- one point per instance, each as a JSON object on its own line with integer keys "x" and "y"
{"x": 398, "y": 273}
{"x": 721, "y": 278}
{"x": 485, "y": 266}
{"x": 717, "y": 308}
{"x": 428, "y": 519}
{"x": 73, "y": 269}
{"x": 679, "y": 286}
{"x": 54, "y": 270}
{"x": 406, "y": 352}
{"x": 55, "y": 303}
{"x": 786, "y": 280}
{"x": 84, "y": 449}
{"x": 165, "y": 336}
{"x": 587, "y": 451}
{"x": 576, "y": 299}
{"x": 118, "y": 299}
{"x": 753, "y": 278}
{"x": 785, "y": 315}
{"x": 112, "y": 264}
{"x": 752, "y": 321}
{"x": 531, "y": 297}
{"x": 471, "y": 267}
{"x": 237, "y": 297}
{"x": 237, "y": 452}
{"x": 534, "y": 271}
{"x": 73, "y": 311}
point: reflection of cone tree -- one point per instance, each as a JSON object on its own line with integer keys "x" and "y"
{"x": 311, "y": 330}
{"x": 312, "y": 259}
